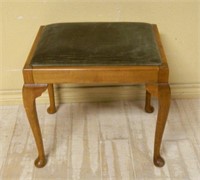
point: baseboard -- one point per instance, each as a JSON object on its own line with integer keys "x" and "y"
{"x": 66, "y": 94}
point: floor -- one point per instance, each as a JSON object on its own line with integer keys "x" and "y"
{"x": 92, "y": 141}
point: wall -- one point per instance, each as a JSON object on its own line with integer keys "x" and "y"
{"x": 178, "y": 22}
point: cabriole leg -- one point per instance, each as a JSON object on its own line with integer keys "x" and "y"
{"x": 148, "y": 107}
{"x": 52, "y": 108}
{"x": 30, "y": 93}
{"x": 164, "y": 96}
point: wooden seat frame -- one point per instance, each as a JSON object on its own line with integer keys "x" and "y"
{"x": 38, "y": 79}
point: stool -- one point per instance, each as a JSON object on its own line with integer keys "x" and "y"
{"x": 94, "y": 53}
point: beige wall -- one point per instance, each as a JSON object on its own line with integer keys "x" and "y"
{"x": 178, "y": 22}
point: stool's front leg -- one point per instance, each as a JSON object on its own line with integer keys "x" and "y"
{"x": 30, "y": 93}
{"x": 164, "y": 95}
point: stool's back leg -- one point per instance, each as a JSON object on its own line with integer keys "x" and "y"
{"x": 52, "y": 108}
{"x": 30, "y": 93}
{"x": 148, "y": 107}
{"x": 151, "y": 90}
{"x": 164, "y": 95}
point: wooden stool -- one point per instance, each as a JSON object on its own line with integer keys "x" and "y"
{"x": 91, "y": 53}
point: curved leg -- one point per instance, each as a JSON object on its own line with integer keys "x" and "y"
{"x": 164, "y": 103}
{"x": 52, "y": 108}
{"x": 30, "y": 93}
{"x": 148, "y": 107}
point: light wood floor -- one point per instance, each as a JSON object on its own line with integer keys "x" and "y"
{"x": 92, "y": 141}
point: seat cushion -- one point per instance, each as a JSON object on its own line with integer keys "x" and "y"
{"x": 97, "y": 44}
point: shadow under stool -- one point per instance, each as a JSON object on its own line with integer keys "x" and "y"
{"x": 96, "y": 53}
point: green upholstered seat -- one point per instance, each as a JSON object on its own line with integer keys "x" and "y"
{"x": 97, "y": 44}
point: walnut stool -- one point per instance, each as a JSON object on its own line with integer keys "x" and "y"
{"x": 92, "y": 53}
